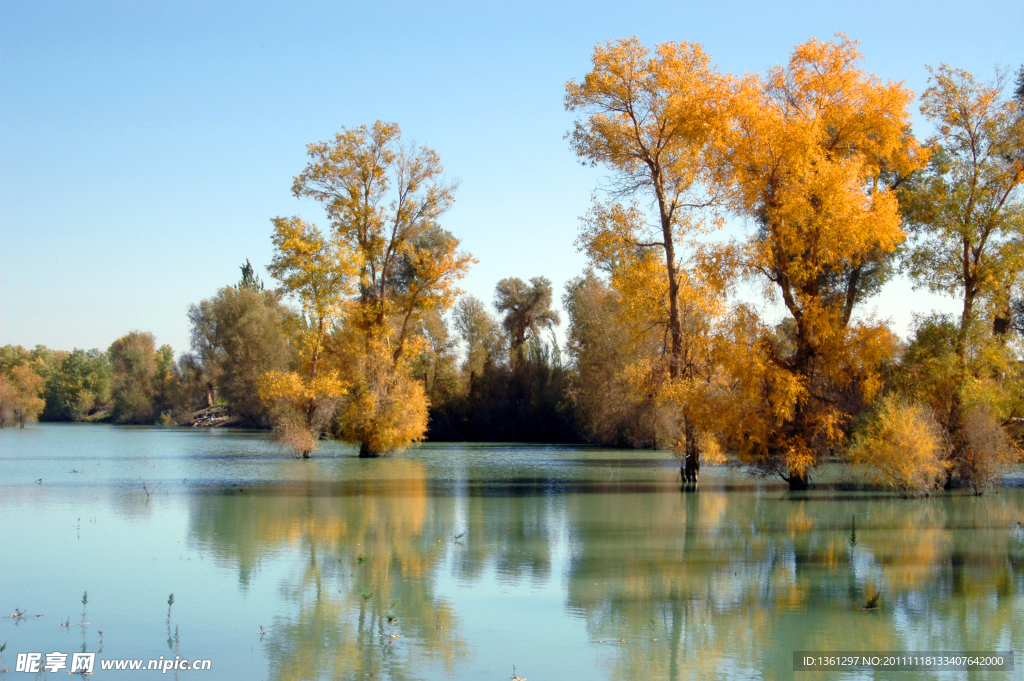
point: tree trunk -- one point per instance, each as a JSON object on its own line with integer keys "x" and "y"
{"x": 965, "y": 323}
{"x": 691, "y": 467}
{"x": 366, "y": 453}
{"x": 799, "y": 483}
{"x": 674, "y": 324}
{"x": 955, "y": 404}
{"x": 691, "y": 460}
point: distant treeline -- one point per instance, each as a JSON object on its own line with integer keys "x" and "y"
{"x": 367, "y": 339}
{"x": 509, "y": 383}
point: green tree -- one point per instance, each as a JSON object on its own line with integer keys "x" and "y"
{"x": 964, "y": 212}
{"x": 966, "y": 216}
{"x": 601, "y": 346}
{"x": 982, "y": 387}
{"x": 133, "y": 388}
{"x": 11, "y": 356}
{"x": 237, "y": 335}
{"x": 79, "y": 386}
{"x": 250, "y": 279}
{"x": 481, "y": 334}
{"x": 526, "y": 310}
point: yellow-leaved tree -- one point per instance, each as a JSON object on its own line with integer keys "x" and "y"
{"x": 319, "y": 272}
{"x": 809, "y": 149}
{"x": 384, "y": 200}
{"x": 21, "y": 391}
{"x": 654, "y": 120}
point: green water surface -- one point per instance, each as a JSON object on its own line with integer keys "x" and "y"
{"x": 460, "y": 561}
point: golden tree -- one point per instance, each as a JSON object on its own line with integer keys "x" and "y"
{"x": 21, "y": 395}
{"x": 902, "y": 447}
{"x": 384, "y": 200}
{"x": 300, "y": 408}
{"x": 651, "y": 120}
{"x": 808, "y": 149}
{"x": 654, "y": 120}
{"x": 386, "y": 407}
{"x": 319, "y": 272}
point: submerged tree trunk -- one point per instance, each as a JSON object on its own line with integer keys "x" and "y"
{"x": 798, "y": 482}
{"x": 366, "y": 453}
{"x": 691, "y": 459}
{"x": 691, "y": 467}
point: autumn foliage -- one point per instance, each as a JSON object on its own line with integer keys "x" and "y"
{"x": 758, "y": 349}
{"x": 365, "y": 287}
{"x": 903, "y": 447}
{"x": 301, "y": 408}
{"x": 21, "y": 389}
{"x": 804, "y": 153}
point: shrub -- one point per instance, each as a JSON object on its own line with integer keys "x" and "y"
{"x": 986, "y": 452}
{"x": 298, "y": 437}
{"x": 902, "y": 447}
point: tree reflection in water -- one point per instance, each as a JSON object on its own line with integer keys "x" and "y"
{"x": 718, "y": 583}
{"x": 724, "y": 583}
{"x": 361, "y": 551}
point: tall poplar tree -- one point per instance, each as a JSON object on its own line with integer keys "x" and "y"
{"x": 654, "y": 121}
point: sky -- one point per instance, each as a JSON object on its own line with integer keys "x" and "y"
{"x": 145, "y": 145}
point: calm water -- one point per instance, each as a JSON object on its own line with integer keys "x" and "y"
{"x": 462, "y": 561}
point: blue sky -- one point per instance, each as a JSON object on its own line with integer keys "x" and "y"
{"x": 144, "y": 146}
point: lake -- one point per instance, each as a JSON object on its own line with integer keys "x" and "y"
{"x": 460, "y": 561}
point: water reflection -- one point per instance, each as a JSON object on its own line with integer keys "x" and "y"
{"x": 666, "y": 585}
{"x": 360, "y": 598}
{"x": 698, "y": 585}
{"x": 514, "y": 534}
